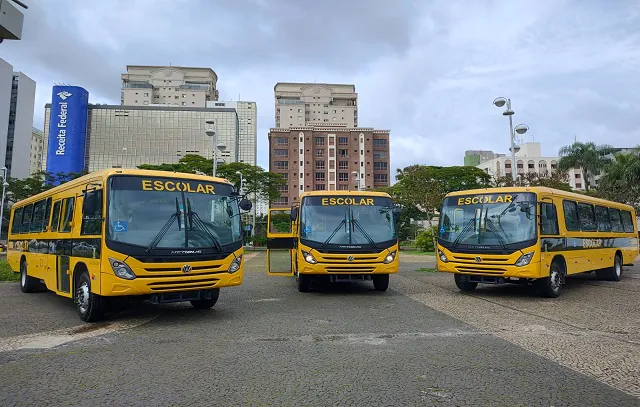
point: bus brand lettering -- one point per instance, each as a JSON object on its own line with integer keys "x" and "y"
{"x": 591, "y": 243}
{"x": 149, "y": 185}
{"x": 485, "y": 199}
{"x": 347, "y": 201}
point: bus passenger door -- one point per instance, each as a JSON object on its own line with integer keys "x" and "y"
{"x": 280, "y": 243}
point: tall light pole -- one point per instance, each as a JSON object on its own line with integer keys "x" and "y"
{"x": 356, "y": 175}
{"x": 211, "y": 132}
{"x": 5, "y": 184}
{"x": 520, "y": 129}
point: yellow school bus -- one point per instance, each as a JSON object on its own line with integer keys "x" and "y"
{"x": 533, "y": 235}
{"x": 335, "y": 235}
{"x": 166, "y": 236}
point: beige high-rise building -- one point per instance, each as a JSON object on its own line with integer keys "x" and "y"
{"x": 168, "y": 85}
{"x": 315, "y": 104}
{"x": 37, "y": 149}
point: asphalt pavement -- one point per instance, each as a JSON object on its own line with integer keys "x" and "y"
{"x": 264, "y": 343}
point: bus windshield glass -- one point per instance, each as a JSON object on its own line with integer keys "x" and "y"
{"x": 488, "y": 219}
{"x": 172, "y": 213}
{"x": 347, "y": 220}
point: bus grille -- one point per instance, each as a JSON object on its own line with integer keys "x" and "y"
{"x": 484, "y": 259}
{"x": 179, "y": 269}
{"x": 183, "y": 285}
{"x": 487, "y": 270}
{"x": 345, "y": 258}
{"x": 349, "y": 269}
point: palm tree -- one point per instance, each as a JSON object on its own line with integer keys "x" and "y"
{"x": 588, "y": 157}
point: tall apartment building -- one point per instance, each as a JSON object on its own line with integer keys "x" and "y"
{"x": 37, "y": 151}
{"x": 247, "y": 125}
{"x": 17, "y": 99}
{"x": 327, "y": 158}
{"x": 168, "y": 85}
{"x": 315, "y": 104}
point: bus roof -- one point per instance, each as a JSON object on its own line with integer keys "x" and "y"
{"x": 104, "y": 174}
{"x": 344, "y": 193}
{"x": 539, "y": 190}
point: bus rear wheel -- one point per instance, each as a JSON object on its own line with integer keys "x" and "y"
{"x": 90, "y": 306}
{"x": 611, "y": 274}
{"x": 28, "y": 284}
{"x": 465, "y": 285}
{"x": 206, "y": 303}
{"x": 381, "y": 282}
{"x": 550, "y": 287}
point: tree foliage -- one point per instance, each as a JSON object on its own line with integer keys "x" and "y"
{"x": 556, "y": 180}
{"x": 588, "y": 157}
{"x": 621, "y": 182}
{"x": 24, "y": 188}
{"x": 265, "y": 185}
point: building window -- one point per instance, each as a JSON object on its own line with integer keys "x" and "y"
{"x": 380, "y": 179}
{"x": 320, "y": 177}
{"x": 281, "y": 153}
{"x": 320, "y": 141}
{"x": 319, "y": 187}
{"x": 283, "y": 200}
{"x": 320, "y": 165}
{"x": 319, "y": 153}
{"x": 577, "y": 176}
{"x": 343, "y": 153}
{"x": 281, "y": 165}
{"x": 343, "y": 176}
{"x": 343, "y": 165}
{"x": 343, "y": 187}
{"x": 381, "y": 166}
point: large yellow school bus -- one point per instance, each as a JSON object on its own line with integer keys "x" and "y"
{"x": 335, "y": 235}
{"x": 166, "y": 236}
{"x": 534, "y": 236}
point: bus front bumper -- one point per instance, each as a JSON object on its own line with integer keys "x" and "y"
{"x": 112, "y": 285}
{"x": 348, "y": 268}
{"x": 530, "y": 271}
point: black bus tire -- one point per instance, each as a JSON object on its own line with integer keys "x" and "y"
{"x": 304, "y": 283}
{"x": 613, "y": 273}
{"x": 551, "y": 287}
{"x": 381, "y": 282}
{"x": 90, "y": 306}
{"x": 206, "y": 303}
{"x": 465, "y": 286}
{"x": 28, "y": 284}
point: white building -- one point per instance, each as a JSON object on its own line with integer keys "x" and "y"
{"x": 530, "y": 160}
{"x": 37, "y": 149}
{"x": 17, "y": 99}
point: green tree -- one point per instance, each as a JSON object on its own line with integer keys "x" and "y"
{"x": 588, "y": 157}
{"x": 556, "y": 180}
{"x": 257, "y": 181}
{"x": 24, "y": 188}
{"x": 621, "y": 183}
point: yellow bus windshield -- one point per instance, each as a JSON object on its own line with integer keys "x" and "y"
{"x": 488, "y": 219}
{"x": 171, "y": 213}
{"x": 347, "y": 220}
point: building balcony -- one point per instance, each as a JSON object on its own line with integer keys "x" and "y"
{"x": 136, "y": 85}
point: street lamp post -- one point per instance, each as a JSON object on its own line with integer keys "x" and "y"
{"x": 211, "y": 132}
{"x": 356, "y": 175}
{"x": 5, "y": 184}
{"x": 520, "y": 129}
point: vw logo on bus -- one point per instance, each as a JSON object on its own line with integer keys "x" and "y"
{"x": 186, "y": 268}
{"x": 350, "y": 258}
{"x": 478, "y": 259}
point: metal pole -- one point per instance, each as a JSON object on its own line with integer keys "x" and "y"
{"x": 514, "y": 164}
{"x": 4, "y": 182}
{"x": 215, "y": 158}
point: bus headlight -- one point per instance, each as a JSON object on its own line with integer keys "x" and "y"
{"x": 235, "y": 265}
{"x": 442, "y": 256}
{"x": 524, "y": 259}
{"x": 390, "y": 257}
{"x": 308, "y": 257}
{"x": 121, "y": 269}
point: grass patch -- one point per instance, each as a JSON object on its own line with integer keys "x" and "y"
{"x": 426, "y": 270}
{"x": 6, "y": 274}
{"x": 418, "y": 252}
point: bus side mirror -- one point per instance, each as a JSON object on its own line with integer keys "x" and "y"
{"x": 245, "y": 205}
{"x": 397, "y": 212}
{"x": 294, "y": 214}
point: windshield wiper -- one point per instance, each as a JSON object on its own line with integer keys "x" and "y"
{"x": 464, "y": 232}
{"x": 492, "y": 228}
{"x": 326, "y": 242}
{"x": 200, "y": 223}
{"x": 156, "y": 240}
{"x": 364, "y": 232}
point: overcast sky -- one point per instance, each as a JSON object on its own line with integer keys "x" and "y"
{"x": 426, "y": 70}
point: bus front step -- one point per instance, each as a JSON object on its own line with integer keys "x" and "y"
{"x": 482, "y": 279}
{"x": 182, "y": 296}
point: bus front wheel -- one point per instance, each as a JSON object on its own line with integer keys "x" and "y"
{"x": 304, "y": 283}
{"x": 551, "y": 286}
{"x": 90, "y": 306}
{"x": 206, "y": 303}
{"x": 381, "y": 282}
{"x": 465, "y": 285}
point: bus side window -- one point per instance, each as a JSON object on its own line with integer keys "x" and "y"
{"x": 627, "y": 222}
{"x": 571, "y": 215}
{"x": 26, "y": 219}
{"x": 587, "y": 218}
{"x": 47, "y": 214}
{"x": 602, "y": 217}
{"x": 55, "y": 216}
{"x": 38, "y": 216}
{"x": 17, "y": 221}
{"x": 92, "y": 222}
{"x": 549, "y": 219}
{"x": 68, "y": 215}
{"x": 616, "y": 223}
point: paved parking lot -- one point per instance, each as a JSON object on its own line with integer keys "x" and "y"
{"x": 420, "y": 343}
